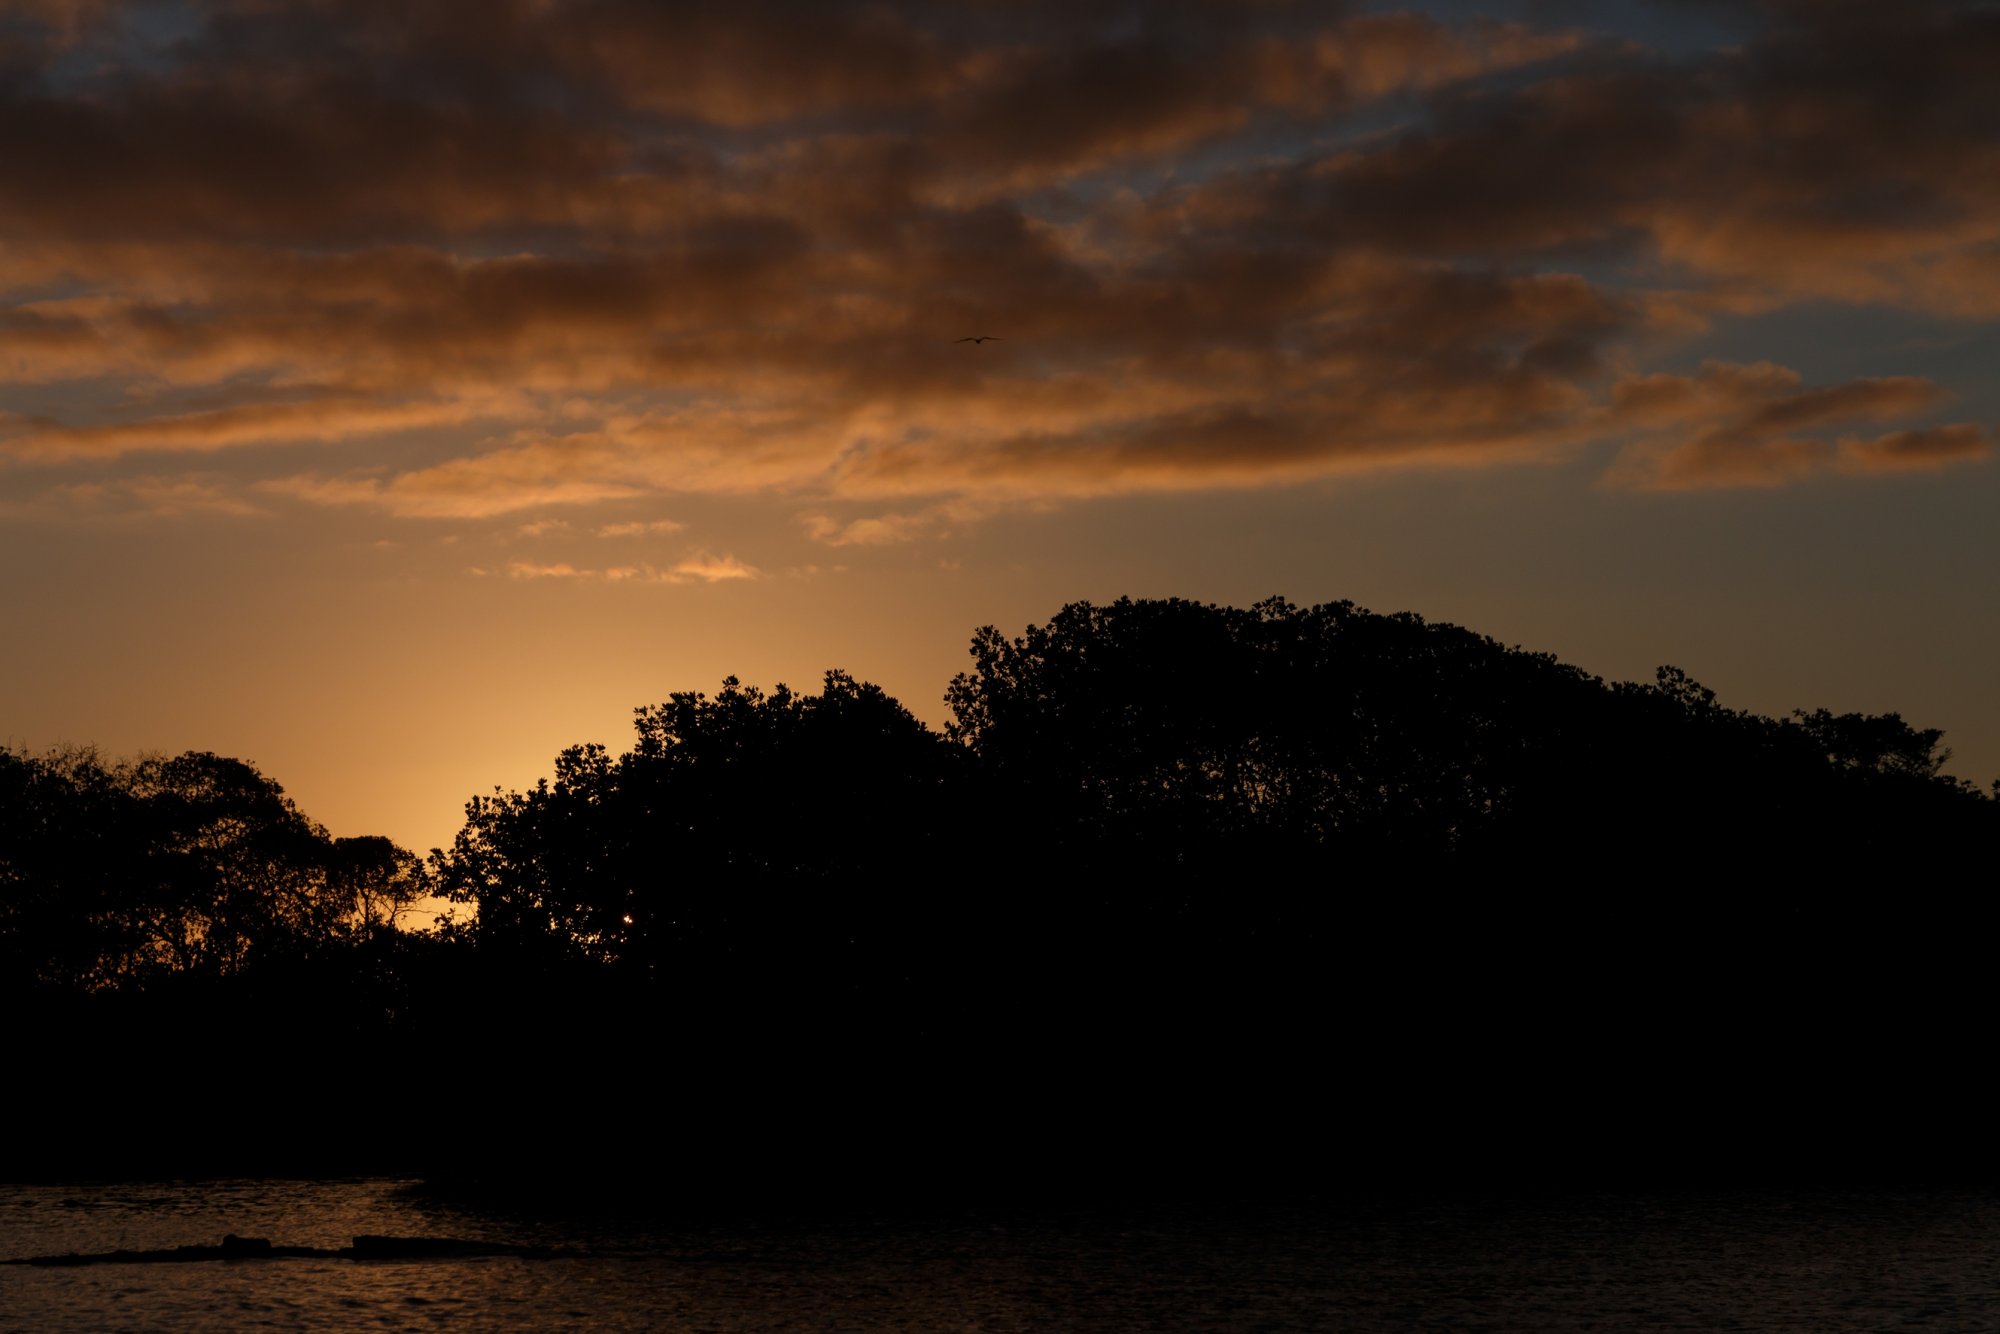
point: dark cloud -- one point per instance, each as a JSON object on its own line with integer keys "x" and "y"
{"x": 265, "y": 158}
{"x": 729, "y": 247}
{"x": 1734, "y": 426}
{"x": 1929, "y": 447}
{"x": 1839, "y": 160}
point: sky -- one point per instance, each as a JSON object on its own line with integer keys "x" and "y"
{"x": 392, "y": 395}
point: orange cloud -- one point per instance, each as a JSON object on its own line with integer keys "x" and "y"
{"x": 714, "y": 569}
{"x": 729, "y": 249}
{"x": 1746, "y": 423}
{"x": 701, "y": 567}
{"x": 640, "y": 528}
{"x": 504, "y": 482}
{"x": 37, "y": 441}
{"x": 194, "y": 495}
{"x": 1373, "y": 56}
{"x": 1926, "y": 448}
{"x": 873, "y": 530}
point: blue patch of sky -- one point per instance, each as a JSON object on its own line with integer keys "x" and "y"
{"x": 1673, "y": 28}
{"x": 153, "y": 31}
{"x": 1270, "y": 142}
{"x": 1828, "y": 342}
{"x": 1278, "y": 139}
{"x": 73, "y": 402}
{"x": 63, "y": 287}
{"x": 143, "y": 38}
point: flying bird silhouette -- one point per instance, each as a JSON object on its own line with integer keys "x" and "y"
{"x": 979, "y": 338}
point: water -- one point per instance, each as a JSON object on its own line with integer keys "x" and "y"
{"x": 1821, "y": 1262}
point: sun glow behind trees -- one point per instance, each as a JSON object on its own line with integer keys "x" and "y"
{"x": 516, "y": 361}
{"x": 1174, "y": 876}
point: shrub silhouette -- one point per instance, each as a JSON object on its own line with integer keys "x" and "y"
{"x": 1311, "y": 876}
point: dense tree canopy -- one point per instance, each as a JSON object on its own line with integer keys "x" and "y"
{"x": 1131, "y": 780}
{"x": 1150, "y": 734}
{"x": 119, "y": 874}
{"x": 745, "y": 830}
{"x": 1164, "y": 853}
{"x": 1132, "y": 783}
{"x": 1173, "y": 732}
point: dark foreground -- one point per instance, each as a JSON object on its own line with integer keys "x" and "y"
{"x": 1189, "y": 902}
{"x": 364, "y": 1248}
{"x": 1538, "y": 1047}
{"x": 1678, "y": 1260}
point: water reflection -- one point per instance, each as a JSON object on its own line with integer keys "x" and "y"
{"x": 1692, "y": 1262}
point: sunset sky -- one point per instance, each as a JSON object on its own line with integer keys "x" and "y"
{"x": 393, "y": 393}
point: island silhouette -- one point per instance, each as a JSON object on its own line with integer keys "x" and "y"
{"x": 1185, "y": 897}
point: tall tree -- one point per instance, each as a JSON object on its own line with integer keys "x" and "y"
{"x": 114, "y": 874}
{"x": 761, "y": 830}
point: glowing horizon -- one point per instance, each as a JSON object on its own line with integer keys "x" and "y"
{"x": 391, "y": 399}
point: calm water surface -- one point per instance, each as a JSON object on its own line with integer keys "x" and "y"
{"x": 1822, "y": 1262}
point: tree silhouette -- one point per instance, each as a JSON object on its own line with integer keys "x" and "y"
{"x": 748, "y": 830}
{"x": 116, "y": 875}
{"x": 1201, "y": 736}
{"x": 1198, "y": 879}
{"x": 1148, "y": 787}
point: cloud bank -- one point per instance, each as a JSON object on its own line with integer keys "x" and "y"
{"x": 620, "y": 249}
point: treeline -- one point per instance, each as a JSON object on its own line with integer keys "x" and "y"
{"x": 121, "y": 875}
{"x": 1170, "y": 866}
{"x": 1267, "y": 764}
{"x": 193, "y": 974}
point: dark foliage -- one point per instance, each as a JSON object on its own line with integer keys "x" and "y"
{"x": 1181, "y": 888}
{"x": 744, "y": 832}
{"x": 1171, "y": 737}
{"x": 196, "y": 974}
{"x": 126, "y": 876}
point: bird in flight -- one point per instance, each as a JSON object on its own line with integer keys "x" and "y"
{"x": 979, "y": 338}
